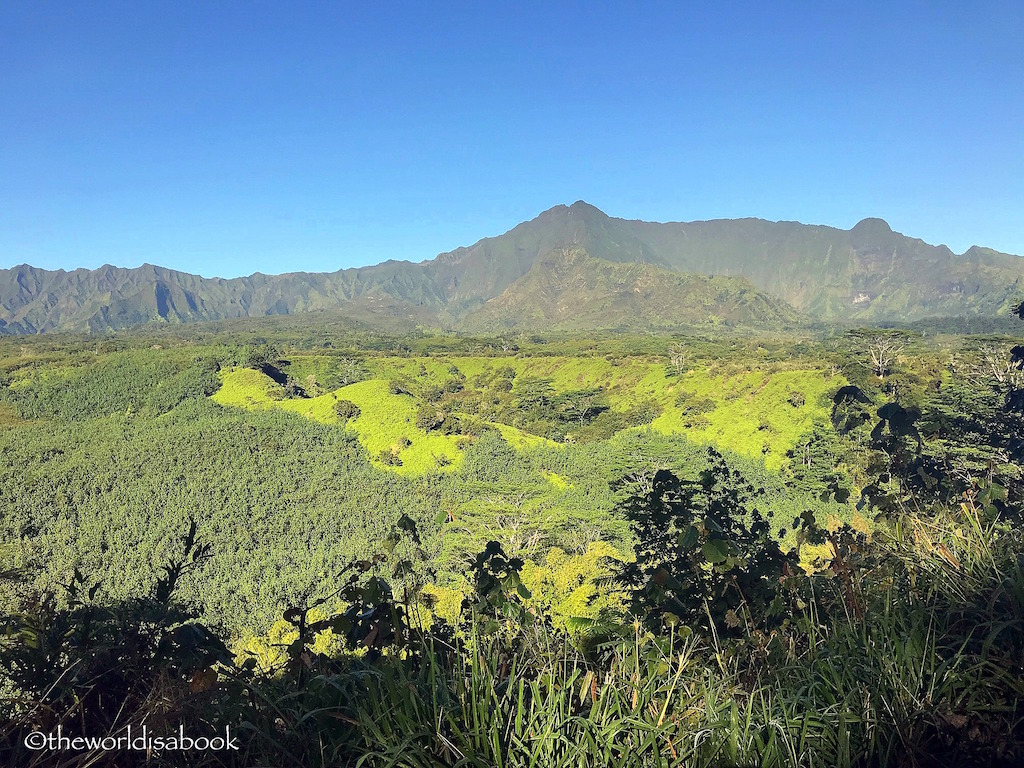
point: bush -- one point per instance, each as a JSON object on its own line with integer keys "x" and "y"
{"x": 346, "y": 410}
{"x": 399, "y": 387}
{"x": 389, "y": 457}
{"x": 259, "y": 355}
{"x": 431, "y": 393}
{"x": 693, "y": 410}
{"x": 430, "y": 417}
{"x": 644, "y": 413}
{"x": 451, "y": 386}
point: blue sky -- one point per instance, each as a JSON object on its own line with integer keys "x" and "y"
{"x": 228, "y": 138}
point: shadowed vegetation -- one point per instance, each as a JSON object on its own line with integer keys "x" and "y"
{"x": 570, "y": 551}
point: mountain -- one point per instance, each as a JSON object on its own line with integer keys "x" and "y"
{"x": 865, "y": 274}
{"x": 37, "y": 301}
{"x": 868, "y": 273}
{"x": 570, "y": 291}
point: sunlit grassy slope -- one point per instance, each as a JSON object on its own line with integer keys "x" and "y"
{"x": 384, "y": 419}
{"x": 757, "y": 413}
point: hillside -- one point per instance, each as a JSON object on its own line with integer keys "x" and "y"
{"x": 37, "y": 301}
{"x": 868, "y": 273}
{"x": 341, "y": 511}
{"x": 570, "y": 291}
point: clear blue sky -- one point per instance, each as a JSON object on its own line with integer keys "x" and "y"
{"x": 228, "y": 138}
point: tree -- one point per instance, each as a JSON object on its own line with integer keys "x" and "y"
{"x": 350, "y": 371}
{"x": 507, "y": 345}
{"x": 992, "y": 364}
{"x": 583, "y": 405}
{"x": 346, "y": 410}
{"x": 260, "y": 355}
{"x": 679, "y": 358}
{"x": 533, "y": 394}
{"x": 849, "y": 409}
{"x": 701, "y": 552}
{"x": 883, "y": 350}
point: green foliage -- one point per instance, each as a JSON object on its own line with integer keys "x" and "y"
{"x": 632, "y": 594}
{"x": 816, "y": 466}
{"x": 571, "y": 590}
{"x": 257, "y": 356}
{"x": 399, "y": 387}
{"x": 897, "y": 652}
{"x": 346, "y": 410}
{"x": 146, "y": 381}
{"x": 385, "y": 424}
{"x": 701, "y": 555}
{"x": 692, "y": 410}
{"x": 431, "y": 418}
{"x": 73, "y": 655}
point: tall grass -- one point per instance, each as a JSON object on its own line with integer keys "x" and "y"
{"x": 652, "y": 703}
{"x": 923, "y": 669}
{"x": 914, "y": 657}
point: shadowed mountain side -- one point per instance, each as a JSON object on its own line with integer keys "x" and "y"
{"x": 483, "y": 270}
{"x": 393, "y": 294}
{"x": 569, "y": 290}
{"x": 868, "y": 273}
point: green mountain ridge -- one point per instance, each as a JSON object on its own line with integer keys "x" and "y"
{"x": 570, "y": 291}
{"x": 866, "y": 274}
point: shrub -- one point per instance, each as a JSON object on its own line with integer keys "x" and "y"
{"x": 399, "y": 387}
{"x": 693, "y": 410}
{"x": 389, "y": 457}
{"x": 430, "y": 417}
{"x": 346, "y": 410}
{"x": 451, "y": 386}
{"x": 431, "y": 393}
{"x": 644, "y": 413}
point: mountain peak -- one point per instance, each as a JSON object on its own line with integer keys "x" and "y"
{"x": 872, "y": 227}
{"x": 581, "y": 206}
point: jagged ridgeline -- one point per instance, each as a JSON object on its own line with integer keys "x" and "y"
{"x": 611, "y": 273}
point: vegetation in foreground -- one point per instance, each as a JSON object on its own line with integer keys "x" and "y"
{"x": 573, "y": 584}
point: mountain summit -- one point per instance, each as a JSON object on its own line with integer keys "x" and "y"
{"x": 868, "y": 273}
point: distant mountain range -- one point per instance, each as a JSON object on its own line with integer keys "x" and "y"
{"x": 571, "y": 268}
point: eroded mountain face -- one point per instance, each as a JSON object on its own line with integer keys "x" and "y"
{"x": 785, "y": 270}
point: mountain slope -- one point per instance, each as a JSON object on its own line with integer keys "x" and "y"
{"x": 868, "y": 273}
{"x": 570, "y": 290}
{"x": 36, "y": 300}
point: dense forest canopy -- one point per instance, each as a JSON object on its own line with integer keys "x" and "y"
{"x": 347, "y": 497}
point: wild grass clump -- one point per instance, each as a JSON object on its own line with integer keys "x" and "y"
{"x": 920, "y": 637}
